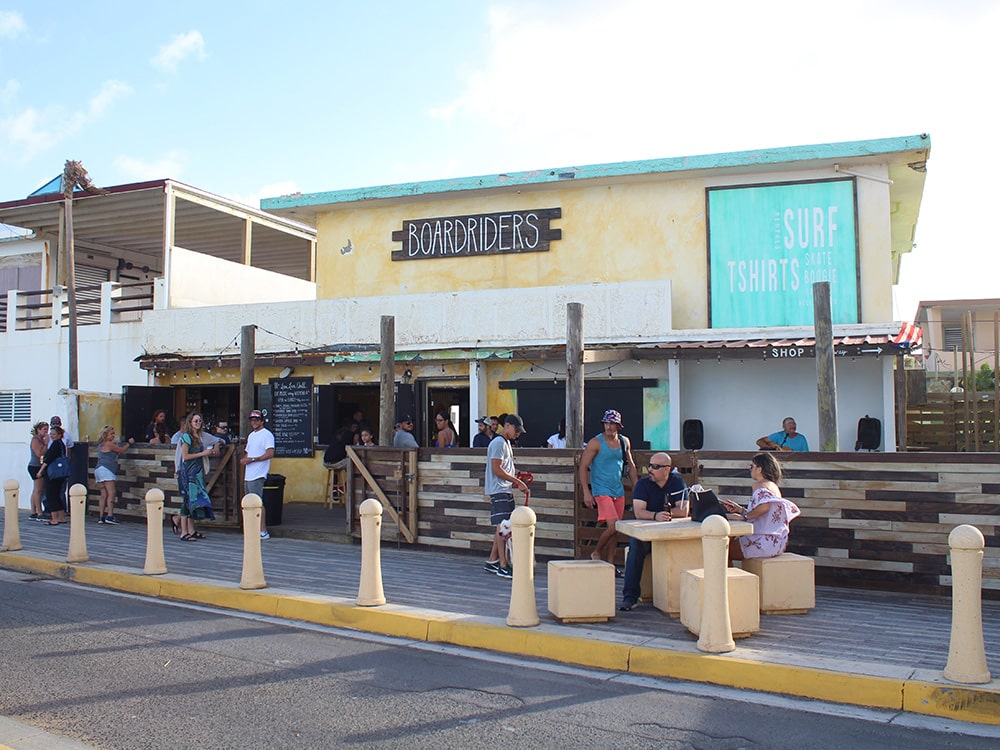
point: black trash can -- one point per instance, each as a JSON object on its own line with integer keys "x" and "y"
{"x": 274, "y": 497}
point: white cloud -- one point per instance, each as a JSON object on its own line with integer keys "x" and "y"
{"x": 178, "y": 49}
{"x": 11, "y": 23}
{"x": 30, "y": 131}
{"x": 169, "y": 165}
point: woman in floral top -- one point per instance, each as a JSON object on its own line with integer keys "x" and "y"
{"x": 768, "y": 511}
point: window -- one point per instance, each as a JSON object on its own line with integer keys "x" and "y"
{"x": 15, "y": 406}
{"x": 952, "y": 337}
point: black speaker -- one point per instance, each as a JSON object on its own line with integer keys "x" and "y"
{"x": 693, "y": 434}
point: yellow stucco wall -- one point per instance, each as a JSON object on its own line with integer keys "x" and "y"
{"x": 94, "y": 411}
{"x": 644, "y": 229}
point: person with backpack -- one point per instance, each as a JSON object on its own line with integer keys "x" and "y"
{"x": 604, "y": 463}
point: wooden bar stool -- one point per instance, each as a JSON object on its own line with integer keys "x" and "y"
{"x": 336, "y": 484}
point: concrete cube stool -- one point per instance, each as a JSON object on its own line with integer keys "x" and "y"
{"x": 744, "y": 610}
{"x": 581, "y": 590}
{"x": 787, "y": 583}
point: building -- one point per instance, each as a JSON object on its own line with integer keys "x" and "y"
{"x": 694, "y": 274}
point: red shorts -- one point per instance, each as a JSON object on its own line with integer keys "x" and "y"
{"x": 610, "y": 508}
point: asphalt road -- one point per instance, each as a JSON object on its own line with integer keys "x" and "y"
{"x": 114, "y": 671}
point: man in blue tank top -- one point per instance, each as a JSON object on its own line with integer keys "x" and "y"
{"x": 601, "y": 468}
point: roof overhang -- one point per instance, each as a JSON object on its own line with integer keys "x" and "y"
{"x": 131, "y": 222}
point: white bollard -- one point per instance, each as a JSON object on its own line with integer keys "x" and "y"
{"x": 77, "y": 524}
{"x": 253, "y": 565}
{"x": 370, "y": 593}
{"x": 11, "y": 530}
{"x": 156, "y": 563}
{"x": 523, "y": 611}
{"x": 716, "y": 630}
{"x": 967, "y": 652}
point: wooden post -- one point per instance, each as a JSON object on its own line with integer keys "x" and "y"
{"x": 826, "y": 372}
{"x": 387, "y": 381}
{"x": 574, "y": 374}
{"x": 248, "y": 344}
{"x": 967, "y": 377}
{"x": 996, "y": 381}
{"x": 74, "y": 377}
{"x": 900, "y": 393}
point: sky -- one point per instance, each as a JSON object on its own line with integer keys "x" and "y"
{"x": 256, "y": 99}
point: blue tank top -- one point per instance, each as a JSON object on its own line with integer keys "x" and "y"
{"x": 606, "y": 471}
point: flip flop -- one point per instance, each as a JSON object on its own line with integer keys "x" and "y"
{"x": 189, "y": 538}
{"x": 197, "y": 535}
{"x": 175, "y": 524}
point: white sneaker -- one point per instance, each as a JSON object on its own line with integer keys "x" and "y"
{"x": 264, "y": 535}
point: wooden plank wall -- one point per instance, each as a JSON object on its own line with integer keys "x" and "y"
{"x": 146, "y": 466}
{"x": 454, "y": 512}
{"x": 880, "y": 520}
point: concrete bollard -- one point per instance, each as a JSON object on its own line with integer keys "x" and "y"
{"x": 77, "y": 524}
{"x": 253, "y": 565}
{"x": 716, "y": 630}
{"x": 156, "y": 564}
{"x": 370, "y": 593}
{"x": 523, "y": 611}
{"x": 967, "y": 652}
{"x": 11, "y": 530}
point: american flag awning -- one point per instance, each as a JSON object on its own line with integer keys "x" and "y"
{"x": 909, "y": 336}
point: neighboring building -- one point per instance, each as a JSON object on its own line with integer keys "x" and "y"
{"x": 695, "y": 276}
{"x": 140, "y": 247}
{"x": 956, "y": 329}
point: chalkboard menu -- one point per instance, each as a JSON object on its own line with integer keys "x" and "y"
{"x": 291, "y": 418}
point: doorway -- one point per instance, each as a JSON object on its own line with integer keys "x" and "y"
{"x": 453, "y": 400}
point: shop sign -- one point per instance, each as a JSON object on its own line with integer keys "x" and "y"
{"x": 477, "y": 234}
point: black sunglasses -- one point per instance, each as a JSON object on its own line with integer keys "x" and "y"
{"x": 659, "y": 466}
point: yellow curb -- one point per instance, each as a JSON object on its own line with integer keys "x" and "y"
{"x": 342, "y": 613}
{"x": 733, "y": 671}
{"x": 258, "y": 601}
{"x": 980, "y": 704}
{"x": 477, "y": 633}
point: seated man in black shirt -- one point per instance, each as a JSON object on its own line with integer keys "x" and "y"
{"x": 655, "y": 498}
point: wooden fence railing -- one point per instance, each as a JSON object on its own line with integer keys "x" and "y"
{"x": 950, "y": 422}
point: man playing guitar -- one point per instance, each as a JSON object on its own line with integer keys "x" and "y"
{"x": 785, "y": 440}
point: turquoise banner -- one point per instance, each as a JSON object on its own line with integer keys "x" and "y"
{"x": 769, "y": 244}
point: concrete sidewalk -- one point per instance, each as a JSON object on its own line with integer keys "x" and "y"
{"x": 863, "y": 648}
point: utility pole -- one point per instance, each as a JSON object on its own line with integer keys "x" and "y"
{"x": 73, "y": 175}
{"x": 826, "y": 372}
{"x": 387, "y": 381}
{"x": 574, "y": 374}
{"x": 248, "y": 355}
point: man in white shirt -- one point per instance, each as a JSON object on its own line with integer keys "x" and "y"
{"x": 259, "y": 452}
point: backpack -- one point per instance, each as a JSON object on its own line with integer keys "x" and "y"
{"x": 869, "y": 434}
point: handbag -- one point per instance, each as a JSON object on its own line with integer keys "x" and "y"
{"x": 58, "y": 469}
{"x": 704, "y": 503}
